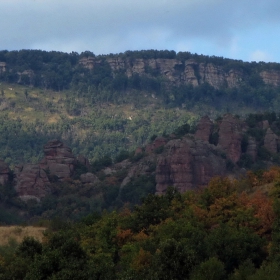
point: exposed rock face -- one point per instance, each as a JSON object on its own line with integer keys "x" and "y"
{"x": 89, "y": 178}
{"x": 270, "y": 141}
{"x": 4, "y": 172}
{"x": 158, "y": 142}
{"x": 271, "y": 77}
{"x": 31, "y": 182}
{"x": 178, "y": 72}
{"x": 204, "y": 129}
{"x": 87, "y": 62}
{"x": 230, "y": 137}
{"x": 187, "y": 164}
{"x": 59, "y": 159}
{"x": 252, "y": 148}
{"x": 189, "y": 76}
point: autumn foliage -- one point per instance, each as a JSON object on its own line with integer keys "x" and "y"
{"x": 230, "y": 230}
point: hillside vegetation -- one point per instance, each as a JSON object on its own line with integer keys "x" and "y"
{"x": 229, "y": 230}
{"x": 103, "y": 104}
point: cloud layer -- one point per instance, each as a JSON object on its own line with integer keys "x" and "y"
{"x": 242, "y": 29}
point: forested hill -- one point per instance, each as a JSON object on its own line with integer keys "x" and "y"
{"x": 100, "y": 105}
{"x": 177, "y": 79}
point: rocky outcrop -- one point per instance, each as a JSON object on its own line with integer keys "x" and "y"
{"x": 4, "y": 172}
{"x": 31, "y": 182}
{"x": 58, "y": 160}
{"x": 230, "y": 136}
{"x": 189, "y": 75}
{"x": 252, "y": 149}
{"x": 178, "y": 72}
{"x": 187, "y": 164}
{"x": 87, "y": 62}
{"x": 270, "y": 141}
{"x": 204, "y": 129}
{"x": 89, "y": 178}
{"x": 271, "y": 77}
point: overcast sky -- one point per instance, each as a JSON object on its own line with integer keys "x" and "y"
{"x": 239, "y": 29}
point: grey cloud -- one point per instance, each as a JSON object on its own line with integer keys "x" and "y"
{"x": 116, "y": 25}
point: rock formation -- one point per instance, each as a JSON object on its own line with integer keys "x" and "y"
{"x": 270, "y": 141}
{"x": 89, "y": 178}
{"x": 230, "y": 136}
{"x": 177, "y": 72}
{"x": 58, "y": 160}
{"x": 87, "y": 62}
{"x": 31, "y": 182}
{"x": 204, "y": 129}
{"x": 271, "y": 77}
{"x": 252, "y": 148}
{"x": 187, "y": 164}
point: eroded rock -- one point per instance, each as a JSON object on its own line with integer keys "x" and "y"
{"x": 230, "y": 136}
{"x": 204, "y": 129}
{"x": 31, "y": 182}
{"x": 58, "y": 160}
{"x": 270, "y": 141}
{"x": 187, "y": 164}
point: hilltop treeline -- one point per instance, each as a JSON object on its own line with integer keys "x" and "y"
{"x": 60, "y": 71}
{"x": 229, "y": 230}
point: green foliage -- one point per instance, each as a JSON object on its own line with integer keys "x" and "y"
{"x": 137, "y": 189}
{"x": 182, "y": 130}
{"x": 212, "y": 269}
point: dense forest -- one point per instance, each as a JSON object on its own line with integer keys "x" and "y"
{"x": 229, "y": 230}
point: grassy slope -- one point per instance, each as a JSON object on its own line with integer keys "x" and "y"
{"x": 17, "y": 233}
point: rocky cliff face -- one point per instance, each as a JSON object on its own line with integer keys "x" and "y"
{"x": 271, "y": 77}
{"x": 230, "y": 136}
{"x": 177, "y": 72}
{"x": 270, "y": 141}
{"x": 31, "y": 182}
{"x": 187, "y": 164}
{"x": 204, "y": 129}
{"x": 58, "y": 159}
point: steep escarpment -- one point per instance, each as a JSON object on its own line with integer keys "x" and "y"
{"x": 60, "y": 70}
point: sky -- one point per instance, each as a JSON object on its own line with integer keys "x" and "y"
{"x": 241, "y": 29}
